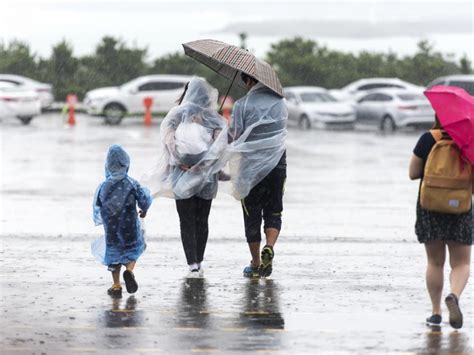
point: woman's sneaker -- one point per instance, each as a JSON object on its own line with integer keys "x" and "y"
{"x": 455, "y": 315}
{"x": 115, "y": 291}
{"x": 252, "y": 271}
{"x": 267, "y": 260}
{"x": 194, "y": 274}
{"x": 130, "y": 282}
{"x": 434, "y": 320}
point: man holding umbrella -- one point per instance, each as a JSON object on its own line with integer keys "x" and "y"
{"x": 258, "y": 168}
{"x": 257, "y": 155}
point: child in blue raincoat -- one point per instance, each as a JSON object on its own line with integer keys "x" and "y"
{"x": 115, "y": 206}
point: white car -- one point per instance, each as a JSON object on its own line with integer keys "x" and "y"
{"x": 115, "y": 102}
{"x": 44, "y": 90}
{"x": 462, "y": 81}
{"x": 389, "y": 109}
{"x": 354, "y": 91}
{"x": 312, "y": 106}
{"x": 18, "y": 103}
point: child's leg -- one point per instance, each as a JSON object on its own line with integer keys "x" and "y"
{"x": 116, "y": 275}
{"x": 129, "y": 278}
{"x": 131, "y": 265}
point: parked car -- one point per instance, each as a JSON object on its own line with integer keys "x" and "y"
{"x": 114, "y": 103}
{"x": 18, "y": 103}
{"x": 354, "y": 91}
{"x": 44, "y": 90}
{"x": 462, "y": 81}
{"x": 311, "y": 106}
{"x": 390, "y": 109}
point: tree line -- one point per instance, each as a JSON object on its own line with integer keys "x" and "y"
{"x": 298, "y": 61}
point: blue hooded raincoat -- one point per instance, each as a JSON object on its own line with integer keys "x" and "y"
{"x": 115, "y": 206}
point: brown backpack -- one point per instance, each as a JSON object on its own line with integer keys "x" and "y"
{"x": 447, "y": 180}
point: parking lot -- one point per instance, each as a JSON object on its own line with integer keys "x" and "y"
{"x": 349, "y": 274}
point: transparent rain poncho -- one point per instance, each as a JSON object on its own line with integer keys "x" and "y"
{"x": 115, "y": 206}
{"x": 194, "y": 136}
{"x": 259, "y": 130}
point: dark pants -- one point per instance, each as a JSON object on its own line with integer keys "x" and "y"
{"x": 193, "y": 217}
{"x": 265, "y": 201}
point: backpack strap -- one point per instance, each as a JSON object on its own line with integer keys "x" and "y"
{"x": 437, "y": 134}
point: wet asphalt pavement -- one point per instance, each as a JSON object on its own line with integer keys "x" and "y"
{"x": 348, "y": 274}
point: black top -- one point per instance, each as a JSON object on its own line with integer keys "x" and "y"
{"x": 424, "y": 145}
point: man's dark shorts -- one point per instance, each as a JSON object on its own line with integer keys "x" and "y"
{"x": 265, "y": 201}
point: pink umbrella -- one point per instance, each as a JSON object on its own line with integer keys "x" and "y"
{"x": 455, "y": 110}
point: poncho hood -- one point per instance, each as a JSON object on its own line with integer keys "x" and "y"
{"x": 201, "y": 94}
{"x": 117, "y": 163}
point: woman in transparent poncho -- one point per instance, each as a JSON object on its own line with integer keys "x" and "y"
{"x": 194, "y": 141}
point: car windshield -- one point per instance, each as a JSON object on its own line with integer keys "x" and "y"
{"x": 316, "y": 97}
{"x": 411, "y": 97}
{"x": 131, "y": 84}
{"x": 466, "y": 85}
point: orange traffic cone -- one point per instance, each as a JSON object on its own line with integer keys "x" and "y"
{"x": 147, "y": 101}
{"x": 72, "y": 117}
{"x": 71, "y": 100}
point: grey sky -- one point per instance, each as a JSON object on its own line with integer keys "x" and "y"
{"x": 163, "y": 26}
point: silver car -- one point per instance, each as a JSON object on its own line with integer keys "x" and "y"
{"x": 390, "y": 109}
{"x": 312, "y": 106}
{"x": 465, "y": 82}
{"x": 44, "y": 91}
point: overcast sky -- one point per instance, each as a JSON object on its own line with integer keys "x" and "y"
{"x": 163, "y": 26}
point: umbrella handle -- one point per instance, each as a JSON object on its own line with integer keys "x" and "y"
{"x": 227, "y": 93}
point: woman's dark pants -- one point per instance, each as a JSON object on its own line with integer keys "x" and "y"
{"x": 193, "y": 217}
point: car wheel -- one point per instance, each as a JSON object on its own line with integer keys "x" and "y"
{"x": 304, "y": 123}
{"x": 25, "y": 120}
{"x": 388, "y": 125}
{"x": 114, "y": 113}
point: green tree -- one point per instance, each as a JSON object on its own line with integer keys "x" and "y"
{"x": 61, "y": 70}
{"x": 465, "y": 65}
{"x": 243, "y": 39}
{"x": 295, "y": 61}
{"x": 114, "y": 63}
{"x": 16, "y": 58}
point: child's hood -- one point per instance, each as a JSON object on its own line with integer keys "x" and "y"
{"x": 117, "y": 163}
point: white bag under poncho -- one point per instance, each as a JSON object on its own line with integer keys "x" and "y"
{"x": 192, "y": 139}
{"x": 193, "y": 135}
{"x": 259, "y": 130}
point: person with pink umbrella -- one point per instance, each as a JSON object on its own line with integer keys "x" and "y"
{"x": 448, "y": 226}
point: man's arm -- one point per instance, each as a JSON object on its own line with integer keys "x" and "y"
{"x": 236, "y": 127}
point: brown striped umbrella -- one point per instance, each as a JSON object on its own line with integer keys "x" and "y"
{"x": 228, "y": 60}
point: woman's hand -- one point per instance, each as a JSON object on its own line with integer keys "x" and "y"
{"x": 184, "y": 167}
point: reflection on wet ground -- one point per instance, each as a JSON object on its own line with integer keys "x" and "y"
{"x": 123, "y": 313}
{"x": 447, "y": 342}
{"x": 344, "y": 281}
{"x": 262, "y": 308}
{"x": 192, "y": 308}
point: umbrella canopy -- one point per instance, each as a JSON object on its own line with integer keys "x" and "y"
{"x": 455, "y": 110}
{"x": 228, "y": 60}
